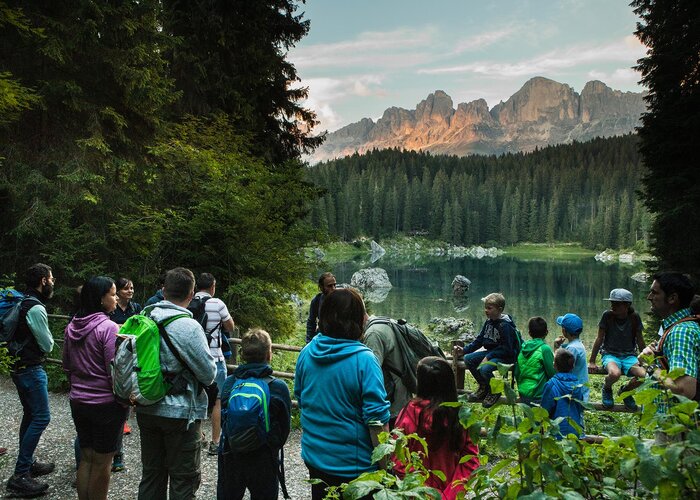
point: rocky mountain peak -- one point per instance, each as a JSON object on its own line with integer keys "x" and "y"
{"x": 542, "y": 112}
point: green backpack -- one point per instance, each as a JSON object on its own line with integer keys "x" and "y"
{"x": 137, "y": 376}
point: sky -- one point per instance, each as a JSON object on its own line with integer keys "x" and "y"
{"x": 362, "y": 56}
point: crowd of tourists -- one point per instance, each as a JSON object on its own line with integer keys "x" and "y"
{"x": 351, "y": 383}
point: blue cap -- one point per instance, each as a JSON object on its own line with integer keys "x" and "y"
{"x": 571, "y": 323}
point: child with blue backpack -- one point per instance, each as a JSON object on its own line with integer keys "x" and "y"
{"x": 255, "y": 416}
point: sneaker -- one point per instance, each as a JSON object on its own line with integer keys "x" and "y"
{"x": 26, "y": 486}
{"x": 213, "y": 448}
{"x": 480, "y": 394}
{"x": 630, "y": 403}
{"x": 118, "y": 463}
{"x": 608, "y": 397}
{"x": 491, "y": 400}
{"x": 127, "y": 428}
{"x": 41, "y": 468}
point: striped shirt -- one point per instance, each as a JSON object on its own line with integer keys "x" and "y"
{"x": 217, "y": 312}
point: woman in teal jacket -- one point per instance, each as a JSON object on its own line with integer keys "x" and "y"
{"x": 340, "y": 389}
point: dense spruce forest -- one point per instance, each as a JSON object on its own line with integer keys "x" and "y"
{"x": 582, "y": 192}
{"x": 139, "y": 136}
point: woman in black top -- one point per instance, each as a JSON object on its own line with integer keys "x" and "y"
{"x": 126, "y": 307}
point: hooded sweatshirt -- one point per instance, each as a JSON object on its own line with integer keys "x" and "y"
{"x": 498, "y": 337}
{"x": 534, "y": 367}
{"x": 443, "y": 458}
{"x": 561, "y": 385}
{"x": 88, "y": 351}
{"x": 340, "y": 389}
{"x": 188, "y": 338}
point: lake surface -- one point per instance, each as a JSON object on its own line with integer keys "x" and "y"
{"x": 422, "y": 289}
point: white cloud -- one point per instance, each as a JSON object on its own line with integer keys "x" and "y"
{"x": 326, "y": 93}
{"x": 482, "y": 40}
{"x": 619, "y": 78}
{"x": 623, "y": 50}
{"x": 397, "y": 48}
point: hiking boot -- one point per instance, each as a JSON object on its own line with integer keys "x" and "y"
{"x": 491, "y": 400}
{"x": 213, "y": 448}
{"x": 480, "y": 394}
{"x": 608, "y": 397}
{"x": 41, "y": 468}
{"x": 25, "y": 486}
{"x": 118, "y": 463}
{"x": 630, "y": 403}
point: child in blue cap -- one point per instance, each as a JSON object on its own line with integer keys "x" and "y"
{"x": 571, "y": 328}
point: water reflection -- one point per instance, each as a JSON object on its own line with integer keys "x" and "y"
{"x": 422, "y": 290}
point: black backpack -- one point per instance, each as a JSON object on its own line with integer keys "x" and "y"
{"x": 197, "y": 307}
{"x": 413, "y": 345}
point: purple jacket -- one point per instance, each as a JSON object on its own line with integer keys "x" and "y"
{"x": 87, "y": 353}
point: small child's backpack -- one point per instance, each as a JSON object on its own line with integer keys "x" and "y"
{"x": 137, "y": 376}
{"x": 10, "y": 307}
{"x": 245, "y": 418}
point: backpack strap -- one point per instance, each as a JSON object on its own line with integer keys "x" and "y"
{"x": 663, "y": 360}
{"x": 166, "y": 337}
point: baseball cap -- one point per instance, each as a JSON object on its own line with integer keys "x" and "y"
{"x": 571, "y": 323}
{"x": 620, "y": 295}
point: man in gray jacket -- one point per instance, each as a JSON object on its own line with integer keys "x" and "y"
{"x": 171, "y": 428}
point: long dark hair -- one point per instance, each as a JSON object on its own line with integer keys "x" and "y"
{"x": 342, "y": 314}
{"x": 91, "y": 295}
{"x": 436, "y": 383}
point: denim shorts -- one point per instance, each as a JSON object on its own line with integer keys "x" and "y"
{"x": 623, "y": 363}
{"x": 220, "y": 375}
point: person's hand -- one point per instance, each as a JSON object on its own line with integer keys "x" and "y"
{"x": 458, "y": 351}
{"x": 592, "y": 366}
{"x": 559, "y": 341}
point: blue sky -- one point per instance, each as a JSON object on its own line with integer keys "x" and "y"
{"x": 362, "y": 57}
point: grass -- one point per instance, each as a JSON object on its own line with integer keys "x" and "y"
{"x": 543, "y": 251}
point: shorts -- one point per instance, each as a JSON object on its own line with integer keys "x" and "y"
{"x": 98, "y": 426}
{"x": 220, "y": 376}
{"x": 623, "y": 363}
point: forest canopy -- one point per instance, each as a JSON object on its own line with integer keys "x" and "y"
{"x": 137, "y": 136}
{"x": 582, "y": 192}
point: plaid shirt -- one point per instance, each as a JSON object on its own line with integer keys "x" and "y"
{"x": 682, "y": 344}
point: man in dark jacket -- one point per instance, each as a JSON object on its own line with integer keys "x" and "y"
{"x": 30, "y": 379}
{"x": 326, "y": 285}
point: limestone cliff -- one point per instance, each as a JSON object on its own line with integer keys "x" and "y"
{"x": 542, "y": 112}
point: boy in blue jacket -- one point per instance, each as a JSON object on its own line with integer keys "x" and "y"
{"x": 499, "y": 339}
{"x": 564, "y": 383}
{"x": 258, "y": 471}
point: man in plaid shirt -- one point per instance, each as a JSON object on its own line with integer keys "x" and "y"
{"x": 670, "y": 297}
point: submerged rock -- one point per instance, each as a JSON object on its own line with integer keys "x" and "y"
{"x": 460, "y": 285}
{"x": 457, "y": 328}
{"x": 371, "y": 278}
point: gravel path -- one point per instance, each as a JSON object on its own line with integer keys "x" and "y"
{"x": 57, "y": 445}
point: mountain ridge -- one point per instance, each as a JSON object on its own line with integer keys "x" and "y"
{"x": 542, "y": 112}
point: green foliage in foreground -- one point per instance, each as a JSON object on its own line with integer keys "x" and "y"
{"x": 536, "y": 465}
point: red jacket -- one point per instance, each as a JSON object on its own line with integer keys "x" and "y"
{"x": 443, "y": 458}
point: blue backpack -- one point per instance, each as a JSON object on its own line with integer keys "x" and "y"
{"x": 245, "y": 419}
{"x": 10, "y": 306}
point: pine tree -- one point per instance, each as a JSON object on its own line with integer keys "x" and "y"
{"x": 671, "y": 127}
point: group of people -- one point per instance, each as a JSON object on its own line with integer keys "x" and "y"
{"x": 345, "y": 392}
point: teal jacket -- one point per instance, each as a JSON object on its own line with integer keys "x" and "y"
{"x": 534, "y": 367}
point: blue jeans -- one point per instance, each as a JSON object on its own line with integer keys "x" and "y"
{"x": 33, "y": 390}
{"x": 482, "y": 372}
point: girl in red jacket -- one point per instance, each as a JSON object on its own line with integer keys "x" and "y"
{"x": 439, "y": 425}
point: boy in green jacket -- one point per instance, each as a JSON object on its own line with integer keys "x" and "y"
{"x": 535, "y": 364}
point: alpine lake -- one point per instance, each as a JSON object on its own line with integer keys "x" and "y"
{"x": 422, "y": 289}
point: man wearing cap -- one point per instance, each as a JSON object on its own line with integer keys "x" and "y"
{"x": 679, "y": 347}
{"x": 571, "y": 329}
{"x": 619, "y": 332}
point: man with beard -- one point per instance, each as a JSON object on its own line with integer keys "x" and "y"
{"x": 29, "y": 377}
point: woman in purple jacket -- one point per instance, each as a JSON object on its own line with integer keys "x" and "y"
{"x": 87, "y": 353}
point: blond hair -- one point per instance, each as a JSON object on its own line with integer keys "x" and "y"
{"x": 255, "y": 345}
{"x": 495, "y": 299}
